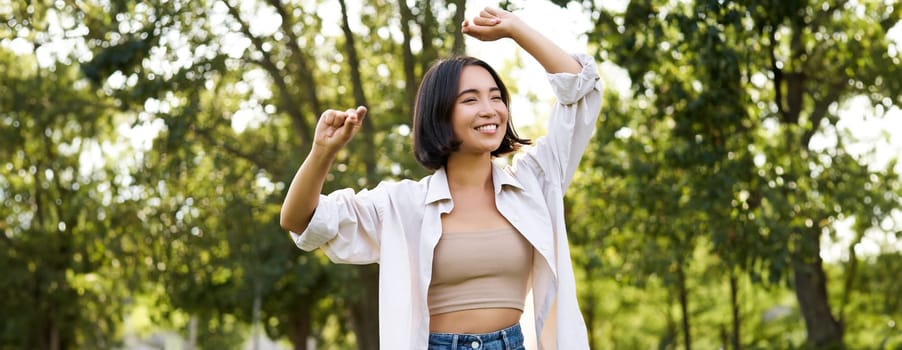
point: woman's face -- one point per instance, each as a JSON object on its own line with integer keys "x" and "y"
{"x": 479, "y": 117}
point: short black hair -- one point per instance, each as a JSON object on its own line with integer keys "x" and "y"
{"x": 433, "y": 134}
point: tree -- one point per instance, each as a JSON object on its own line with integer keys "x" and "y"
{"x": 66, "y": 220}
{"x": 729, "y": 96}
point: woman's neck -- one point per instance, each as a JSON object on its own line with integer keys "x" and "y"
{"x": 465, "y": 171}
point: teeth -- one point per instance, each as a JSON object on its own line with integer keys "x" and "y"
{"x": 485, "y": 128}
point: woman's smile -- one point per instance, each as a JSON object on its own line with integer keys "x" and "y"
{"x": 488, "y": 128}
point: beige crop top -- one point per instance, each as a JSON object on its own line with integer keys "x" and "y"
{"x": 478, "y": 270}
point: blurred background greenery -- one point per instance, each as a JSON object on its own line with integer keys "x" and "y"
{"x": 742, "y": 190}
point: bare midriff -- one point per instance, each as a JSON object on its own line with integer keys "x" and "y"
{"x": 474, "y": 321}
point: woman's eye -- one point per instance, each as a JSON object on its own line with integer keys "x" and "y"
{"x": 469, "y": 100}
{"x": 497, "y": 98}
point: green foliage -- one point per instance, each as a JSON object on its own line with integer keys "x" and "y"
{"x": 63, "y": 230}
{"x": 874, "y": 307}
{"x": 713, "y": 149}
{"x": 702, "y": 182}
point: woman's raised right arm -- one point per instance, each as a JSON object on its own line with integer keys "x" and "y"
{"x": 493, "y": 24}
{"x": 333, "y": 131}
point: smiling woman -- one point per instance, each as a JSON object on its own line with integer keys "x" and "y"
{"x": 450, "y": 92}
{"x": 459, "y": 251}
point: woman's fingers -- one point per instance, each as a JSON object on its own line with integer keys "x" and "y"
{"x": 492, "y": 11}
{"x": 485, "y": 21}
{"x": 488, "y": 25}
{"x": 327, "y": 117}
{"x": 351, "y": 122}
{"x": 325, "y": 122}
{"x": 335, "y": 128}
{"x": 361, "y": 111}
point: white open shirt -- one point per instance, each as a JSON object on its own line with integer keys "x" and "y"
{"x": 398, "y": 224}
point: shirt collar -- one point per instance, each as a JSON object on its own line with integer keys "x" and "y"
{"x": 438, "y": 187}
{"x": 438, "y": 183}
{"x": 501, "y": 177}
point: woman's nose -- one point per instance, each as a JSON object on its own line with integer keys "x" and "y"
{"x": 486, "y": 110}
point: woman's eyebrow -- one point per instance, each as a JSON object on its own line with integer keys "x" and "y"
{"x": 467, "y": 91}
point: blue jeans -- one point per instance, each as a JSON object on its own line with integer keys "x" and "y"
{"x": 510, "y": 338}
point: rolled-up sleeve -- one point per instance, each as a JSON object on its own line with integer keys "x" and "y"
{"x": 346, "y": 225}
{"x": 571, "y": 125}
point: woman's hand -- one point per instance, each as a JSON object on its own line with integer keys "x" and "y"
{"x": 335, "y": 128}
{"x": 492, "y": 24}
{"x": 333, "y": 131}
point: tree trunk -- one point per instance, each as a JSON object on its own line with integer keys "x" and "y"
{"x": 684, "y": 305}
{"x": 851, "y": 274}
{"x": 410, "y": 79}
{"x": 365, "y": 311}
{"x": 367, "y": 130}
{"x": 428, "y": 27}
{"x": 300, "y": 325}
{"x": 824, "y": 331}
{"x": 457, "y": 47}
{"x": 734, "y": 304}
{"x": 54, "y": 335}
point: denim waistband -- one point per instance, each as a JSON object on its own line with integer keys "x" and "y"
{"x": 510, "y": 338}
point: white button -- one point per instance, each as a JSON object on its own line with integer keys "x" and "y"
{"x": 474, "y": 344}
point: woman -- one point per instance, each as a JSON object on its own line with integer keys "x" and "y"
{"x": 460, "y": 250}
